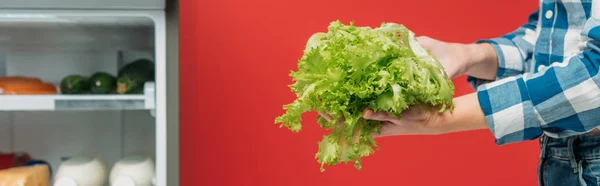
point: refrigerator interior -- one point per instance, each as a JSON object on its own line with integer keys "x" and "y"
{"x": 51, "y": 47}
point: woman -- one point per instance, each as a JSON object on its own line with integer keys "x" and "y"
{"x": 540, "y": 81}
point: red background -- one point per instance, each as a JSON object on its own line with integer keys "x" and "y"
{"x": 235, "y": 60}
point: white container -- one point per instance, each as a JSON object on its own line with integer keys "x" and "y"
{"x": 133, "y": 171}
{"x": 84, "y": 170}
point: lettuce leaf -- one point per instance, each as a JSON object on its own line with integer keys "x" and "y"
{"x": 351, "y": 68}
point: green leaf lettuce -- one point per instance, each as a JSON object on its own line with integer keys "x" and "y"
{"x": 351, "y": 68}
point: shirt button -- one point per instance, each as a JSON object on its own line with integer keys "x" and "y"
{"x": 549, "y": 14}
{"x": 541, "y": 68}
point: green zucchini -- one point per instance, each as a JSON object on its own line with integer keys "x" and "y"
{"x": 74, "y": 84}
{"x": 133, "y": 76}
{"x": 102, "y": 83}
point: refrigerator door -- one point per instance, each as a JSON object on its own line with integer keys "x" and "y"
{"x": 84, "y": 4}
{"x": 53, "y": 43}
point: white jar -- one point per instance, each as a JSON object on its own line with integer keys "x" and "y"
{"x": 133, "y": 171}
{"x": 83, "y": 170}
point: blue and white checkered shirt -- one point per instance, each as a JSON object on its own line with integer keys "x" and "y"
{"x": 548, "y": 81}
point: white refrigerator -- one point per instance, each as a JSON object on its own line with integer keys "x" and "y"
{"x": 120, "y": 138}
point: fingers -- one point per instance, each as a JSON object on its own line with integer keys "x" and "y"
{"x": 379, "y": 115}
{"x": 394, "y": 129}
{"x": 427, "y": 42}
{"x": 415, "y": 112}
{"x": 326, "y": 116}
{"x": 423, "y": 38}
{"x": 367, "y": 114}
{"x": 426, "y": 39}
{"x": 387, "y": 129}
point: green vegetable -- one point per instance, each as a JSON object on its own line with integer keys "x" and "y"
{"x": 351, "y": 68}
{"x": 102, "y": 83}
{"x": 74, "y": 84}
{"x": 133, "y": 76}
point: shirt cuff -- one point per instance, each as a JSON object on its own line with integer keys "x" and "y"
{"x": 510, "y": 60}
{"x": 509, "y": 111}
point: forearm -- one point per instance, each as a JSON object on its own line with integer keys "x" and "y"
{"x": 466, "y": 116}
{"x": 482, "y": 61}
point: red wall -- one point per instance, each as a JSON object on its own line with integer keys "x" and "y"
{"x": 235, "y": 60}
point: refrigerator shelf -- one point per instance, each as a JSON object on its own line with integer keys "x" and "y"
{"x": 145, "y": 101}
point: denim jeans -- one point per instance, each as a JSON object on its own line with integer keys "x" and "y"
{"x": 572, "y": 161}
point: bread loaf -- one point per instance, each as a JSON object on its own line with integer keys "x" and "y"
{"x": 38, "y": 175}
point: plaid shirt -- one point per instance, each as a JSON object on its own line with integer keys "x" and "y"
{"x": 548, "y": 81}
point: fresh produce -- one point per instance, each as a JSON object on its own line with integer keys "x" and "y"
{"x": 12, "y": 78}
{"x": 19, "y": 85}
{"x": 131, "y": 77}
{"x": 102, "y": 83}
{"x": 351, "y": 68}
{"x": 18, "y": 80}
{"x": 29, "y": 89}
{"x": 75, "y": 84}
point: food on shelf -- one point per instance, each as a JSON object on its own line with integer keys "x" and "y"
{"x": 39, "y": 162}
{"x": 131, "y": 77}
{"x": 130, "y": 80}
{"x": 88, "y": 170}
{"x": 74, "y": 84}
{"x": 28, "y": 88}
{"x": 133, "y": 170}
{"x": 16, "y": 159}
{"x": 18, "y": 79}
{"x": 102, "y": 83}
{"x": 25, "y": 85}
{"x": 7, "y": 161}
{"x": 38, "y": 175}
{"x": 21, "y": 158}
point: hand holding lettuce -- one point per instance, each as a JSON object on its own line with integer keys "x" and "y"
{"x": 351, "y": 68}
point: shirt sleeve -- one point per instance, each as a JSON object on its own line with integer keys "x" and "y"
{"x": 514, "y": 51}
{"x": 561, "y": 100}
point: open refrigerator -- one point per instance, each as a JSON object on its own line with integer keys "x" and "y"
{"x": 51, "y": 52}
